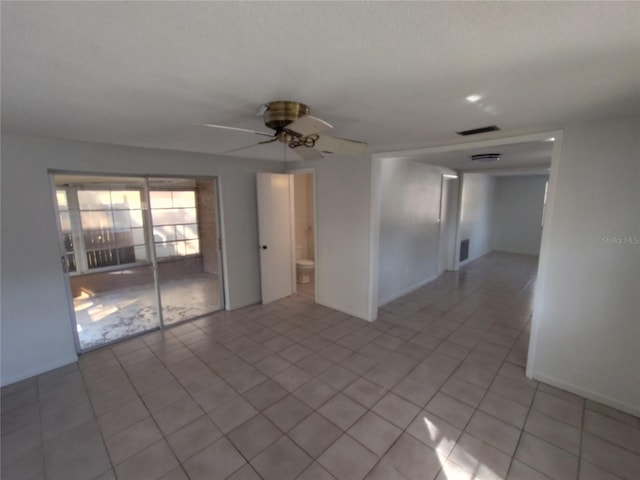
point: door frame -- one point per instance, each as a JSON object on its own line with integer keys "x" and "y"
{"x": 376, "y": 199}
{"x": 303, "y": 171}
{"x": 447, "y": 239}
{"x": 148, "y": 231}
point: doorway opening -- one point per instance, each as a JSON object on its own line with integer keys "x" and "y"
{"x": 139, "y": 253}
{"x": 304, "y": 234}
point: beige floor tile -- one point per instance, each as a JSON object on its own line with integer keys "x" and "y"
{"x": 27, "y": 464}
{"x": 314, "y": 364}
{"x": 347, "y": 459}
{"x": 610, "y": 457}
{"x": 558, "y": 408}
{"x": 440, "y": 348}
{"x": 272, "y": 365}
{"x": 522, "y": 471}
{"x": 132, "y": 440}
{"x": 232, "y": 414}
{"x": 88, "y": 463}
{"x": 504, "y": 409}
{"x": 589, "y": 471}
{"x": 254, "y": 435}
{"x": 553, "y": 431}
{"x": 315, "y": 393}
{"x": 218, "y": 460}
{"x": 281, "y": 461}
{"x": 265, "y": 394}
{"x": 215, "y": 395}
{"x": 292, "y": 378}
{"x": 412, "y": 459}
{"x": 315, "y": 472}
{"x": 193, "y": 437}
{"x": 482, "y": 459}
{"x": 164, "y": 396}
{"x": 314, "y": 434}
{"x": 288, "y": 412}
{"x": 396, "y": 410}
{"x": 450, "y": 409}
{"x": 342, "y": 411}
{"x": 434, "y": 432}
{"x": 177, "y": 415}
{"x": 613, "y": 413}
{"x": 612, "y": 430}
{"x": 365, "y": 392}
{"x": 375, "y": 433}
{"x": 495, "y": 432}
{"x": 122, "y": 417}
{"x": 415, "y": 392}
{"x": 547, "y": 458}
{"x": 464, "y": 391}
{"x": 338, "y": 377}
{"x": 245, "y": 473}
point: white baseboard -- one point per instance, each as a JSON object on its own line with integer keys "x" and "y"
{"x": 410, "y": 289}
{"x": 38, "y": 371}
{"x": 591, "y": 395}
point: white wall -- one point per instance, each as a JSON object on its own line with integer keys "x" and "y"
{"x": 476, "y": 214}
{"x": 409, "y": 230}
{"x": 36, "y": 319}
{"x": 586, "y": 323}
{"x": 517, "y": 213}
{"x": 343, "y": 221}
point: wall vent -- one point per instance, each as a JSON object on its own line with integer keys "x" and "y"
{"x": 464, "y": 250}
{"x": 475, "y": 131}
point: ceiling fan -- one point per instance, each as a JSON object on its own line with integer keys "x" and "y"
{"x": 294, "y": 127}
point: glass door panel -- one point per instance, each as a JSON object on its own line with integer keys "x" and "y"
{"x": 106, "y": 250}
{"x": 185, "y": 238}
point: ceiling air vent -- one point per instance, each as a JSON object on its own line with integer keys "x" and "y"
{"x": 475, "y": 131}
{"x": 485, "y": 157}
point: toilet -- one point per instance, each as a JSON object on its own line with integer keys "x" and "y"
{"x": 304, "y": 267}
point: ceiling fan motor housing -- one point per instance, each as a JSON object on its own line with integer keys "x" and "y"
{"x": 281, "y": 113}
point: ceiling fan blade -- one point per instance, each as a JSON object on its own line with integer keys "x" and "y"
{"x": 306, "y": 153}
{"x": 341, "y": 146}
{"x": 224, "y": 127}
{"x": 308, "y": 125}
{"x": 233, "y": 150}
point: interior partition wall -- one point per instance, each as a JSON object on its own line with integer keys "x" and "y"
{"x": 139, "y": 253}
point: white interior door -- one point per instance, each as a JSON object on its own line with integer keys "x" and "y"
{"x": 275, "y": 233}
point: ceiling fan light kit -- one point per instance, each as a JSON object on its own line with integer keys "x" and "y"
{"x": 294, "y": 127}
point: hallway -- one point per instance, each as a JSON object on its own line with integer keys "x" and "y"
{"x": 434, "y": 389}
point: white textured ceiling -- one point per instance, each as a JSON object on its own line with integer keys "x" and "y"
{"x": 524, "y": 158}
{"x": 393, "y": 74}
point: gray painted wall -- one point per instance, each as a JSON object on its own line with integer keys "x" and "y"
{"x": 409, "y": 230}
{"x": 586, "y": 321}
{"x": 517, "y": 218}
{"x": 476, "y": 213}
{"x": 37, "y": 330}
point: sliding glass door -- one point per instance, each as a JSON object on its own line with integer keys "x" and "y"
{"x": 185, "y": 238}
{"x": 131, "y": 245}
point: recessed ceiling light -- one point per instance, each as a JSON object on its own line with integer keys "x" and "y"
{"x": 550, "y": 139}
{"x": 473, "y": 98}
